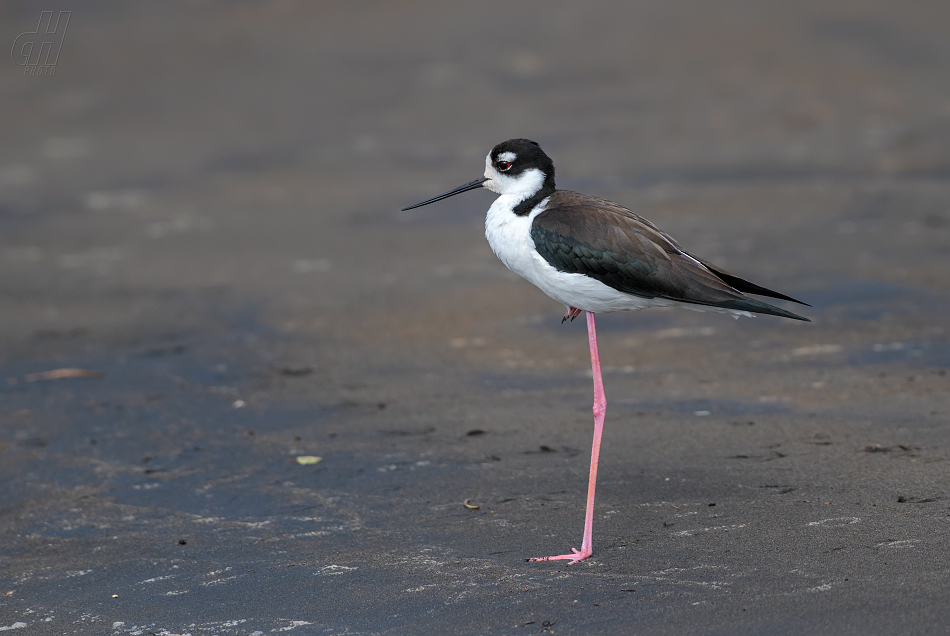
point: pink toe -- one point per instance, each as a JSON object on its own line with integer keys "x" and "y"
{"x": 576, "y": 556}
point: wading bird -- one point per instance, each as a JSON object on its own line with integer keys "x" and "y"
{"x": 593, "y": 255}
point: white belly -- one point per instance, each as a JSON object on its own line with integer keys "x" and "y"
{"x": 510, "y": 238}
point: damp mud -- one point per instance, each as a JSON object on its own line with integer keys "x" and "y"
{"x": 204, "y": 275}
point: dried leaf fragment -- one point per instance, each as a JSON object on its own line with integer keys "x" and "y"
{"x": 60, "y": 374}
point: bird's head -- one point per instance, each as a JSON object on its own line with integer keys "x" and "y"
{"x": 515, "y": 167}
{"x": 520, "y": 167}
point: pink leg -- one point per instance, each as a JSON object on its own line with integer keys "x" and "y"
{"x": 600, "y": 410}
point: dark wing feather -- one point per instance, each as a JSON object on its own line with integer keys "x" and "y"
{"x": 745, "y": 286}
{"x": 581, "y": 234}
{"x": 740, "y": 284}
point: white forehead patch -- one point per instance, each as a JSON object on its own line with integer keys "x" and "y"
{"x": 507, "y": 156}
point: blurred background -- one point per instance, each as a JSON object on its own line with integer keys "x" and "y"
{"x": 199, "y": 207}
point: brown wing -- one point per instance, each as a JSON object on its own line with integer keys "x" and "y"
{"x": 581, "y": 234}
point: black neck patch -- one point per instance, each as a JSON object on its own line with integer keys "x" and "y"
{"x": 524, "y": 208}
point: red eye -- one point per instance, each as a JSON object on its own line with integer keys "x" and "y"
{"x": 503, "y": 165}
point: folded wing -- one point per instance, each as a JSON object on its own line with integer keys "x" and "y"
{"x": 581, "y": 234}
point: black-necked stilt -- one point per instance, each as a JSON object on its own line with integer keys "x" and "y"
{"x": 596, "y": 256}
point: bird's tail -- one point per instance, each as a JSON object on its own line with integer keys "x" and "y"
{"x": 759, "y": 307}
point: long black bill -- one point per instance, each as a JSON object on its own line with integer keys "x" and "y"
{"x": 471, "y": 185}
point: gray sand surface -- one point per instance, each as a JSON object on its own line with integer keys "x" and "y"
{"x": 202, "y": 205}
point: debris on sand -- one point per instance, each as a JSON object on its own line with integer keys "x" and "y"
{"x": 60, "y": 374}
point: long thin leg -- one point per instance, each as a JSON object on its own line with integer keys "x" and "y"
{"x": 600, "y": 411}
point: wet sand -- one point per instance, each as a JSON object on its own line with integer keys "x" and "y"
{"x": 201, "y": 204}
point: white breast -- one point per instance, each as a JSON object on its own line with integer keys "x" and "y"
{"x": 510, "y": 238}
{"x": 510, "y": 235}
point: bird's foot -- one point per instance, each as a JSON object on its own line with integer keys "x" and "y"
{"x": 578, "y": 555}
{"x": 572, "y": 313}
